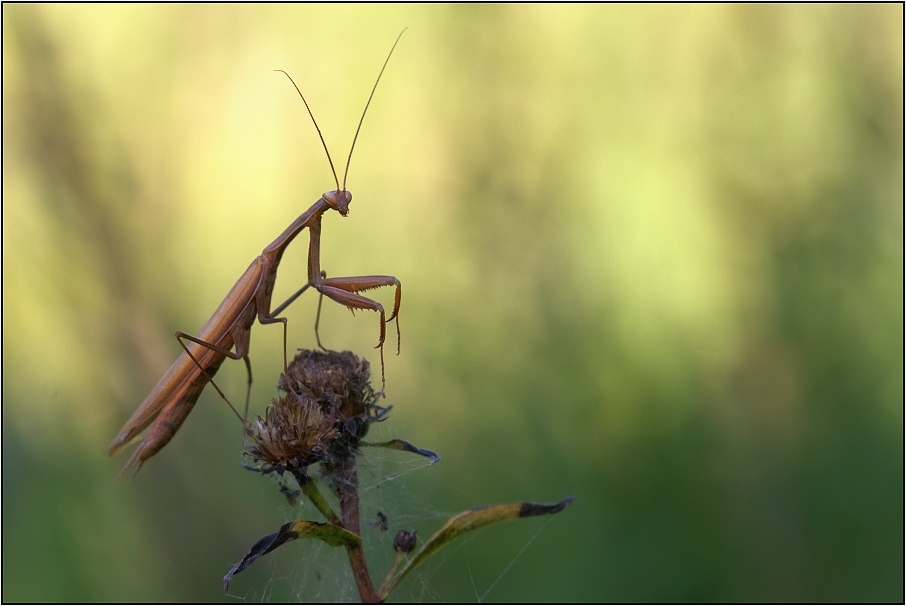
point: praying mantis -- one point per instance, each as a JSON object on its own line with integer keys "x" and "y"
{"x": 167, "y": 405}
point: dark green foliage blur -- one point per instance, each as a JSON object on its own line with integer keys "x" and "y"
{"x": 651, "y": 256}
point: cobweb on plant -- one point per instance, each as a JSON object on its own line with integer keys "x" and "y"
{"x": 312, "y": 571}
{"x": 316, "y": 433}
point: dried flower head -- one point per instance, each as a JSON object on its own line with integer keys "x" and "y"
{"x": 339, "y": 379}
{"x": 341, "y": 384}
{"x": 294, "y": 433}
{"x": 404, "y": 541}
{"x": 326, "y": 411}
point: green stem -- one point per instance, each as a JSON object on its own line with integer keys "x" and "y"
{"x": 386, "y": 584}
{"x": 310, "y": 490}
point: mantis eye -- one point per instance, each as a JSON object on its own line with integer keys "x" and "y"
{"x": 340, "y": 201}
{"x": 333, "y": 198}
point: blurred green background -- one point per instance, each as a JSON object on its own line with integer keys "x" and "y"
{"x": 651, "y": 256}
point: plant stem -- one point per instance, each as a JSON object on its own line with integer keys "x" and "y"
{"x": 346, "y": 483}
{"x": 310, "y": 489}
{"x": 390, "y": 579}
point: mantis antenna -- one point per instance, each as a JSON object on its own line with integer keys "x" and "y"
{"x": 362, "y": 119}
{"x": 316, "y": 128}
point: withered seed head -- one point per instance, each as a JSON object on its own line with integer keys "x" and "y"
{"x": 294, "y": 433}
{"x": 338, "y": 380}
{"x": 325, "y": 411}
{"x": 404, "y": 541}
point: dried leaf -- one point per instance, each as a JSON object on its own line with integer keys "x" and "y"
{"x": 300, "y": 529}
{"x": 405, "y": 447}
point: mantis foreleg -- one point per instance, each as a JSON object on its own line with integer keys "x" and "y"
{"x": 344, "y": 291}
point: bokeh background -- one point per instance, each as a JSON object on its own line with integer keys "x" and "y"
{"x": 651, "y": 256}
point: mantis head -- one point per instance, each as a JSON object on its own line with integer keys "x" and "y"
{"x": 338, "y": 200}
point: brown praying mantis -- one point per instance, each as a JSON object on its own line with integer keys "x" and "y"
{"x": 174, "y": 396}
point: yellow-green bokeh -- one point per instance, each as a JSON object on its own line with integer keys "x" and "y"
{"x": 651, "y": 256}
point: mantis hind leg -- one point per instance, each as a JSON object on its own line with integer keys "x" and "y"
{"x": 271, "y": 320}
{"x": 248, "y": 387}
{"x": 241, "y": 340}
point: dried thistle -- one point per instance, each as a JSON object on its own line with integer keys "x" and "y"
{"x": 339, "y": 380}
{"x": 328, "y": 405}
{"x": 293, "y": 434}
